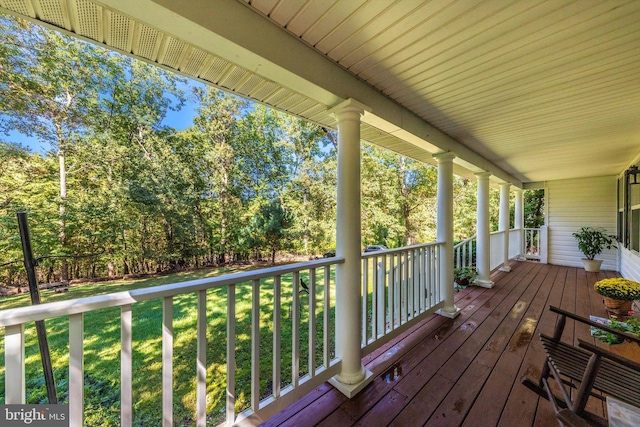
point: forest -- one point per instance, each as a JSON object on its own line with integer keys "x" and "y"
{"x": 117, "y": 191}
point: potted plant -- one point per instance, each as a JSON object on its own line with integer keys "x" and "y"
{"x": 591, "y": 242}
{"x": 630, "y": 325}
{"x": 618, "y": 294}
{"x": 463, "y": 276}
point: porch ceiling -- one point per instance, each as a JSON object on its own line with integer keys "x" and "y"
{"x": 529, "y": 90}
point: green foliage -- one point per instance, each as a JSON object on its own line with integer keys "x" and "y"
{"x": 148, "y": 198}
{"x": 534, "y": 208}
{"x": 592, "y": 241}
{"x": 398, "y": 199}
{"x": 465, "y": 275}
{"x": 267, "y": 229}
{"x": 630, "y": 325}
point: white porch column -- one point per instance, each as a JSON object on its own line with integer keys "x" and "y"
{"x": 518, "y": 222}
{"x": 352, "y": 377}
{"x": 483, "y": 247}
{"x": 503, "y": 223}
{"x": 445, "y": 232}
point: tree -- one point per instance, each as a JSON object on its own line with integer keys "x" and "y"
{"x": 398, "y": 199}
{"x": 534, "y": 208}
{"x": 12, "y": 160}
{"x": 216, "y": 142}
{"x": 100, "y": 112}
{"x": 418, "y": 185}
{"x": 380, "y": 207}
{"x": 139, "y": 155}
{"x": 267, "y": 229}
{"x": 26, "y": 185}
{"x": 50, "y": 88}
{"x": 310, "y": 192}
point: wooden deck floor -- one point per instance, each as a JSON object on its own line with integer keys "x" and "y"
{"x": 466, "y": 371}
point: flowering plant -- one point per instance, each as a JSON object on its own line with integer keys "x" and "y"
{"x": 618, "y": 288}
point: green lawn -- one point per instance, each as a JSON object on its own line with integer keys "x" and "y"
{"x": 102, "y": 348}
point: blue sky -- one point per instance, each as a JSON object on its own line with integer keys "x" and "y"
{"x": 176, "y": 119}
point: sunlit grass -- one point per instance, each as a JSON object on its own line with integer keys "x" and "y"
{"x": 102, "y": 347}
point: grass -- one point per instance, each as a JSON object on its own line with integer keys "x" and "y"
{"x": 102, "y": 348}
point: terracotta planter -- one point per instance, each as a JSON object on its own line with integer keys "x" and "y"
{"x": 617, "y": 307}
{"x": 592, "y": 265}
{"x": 627, "y": 349}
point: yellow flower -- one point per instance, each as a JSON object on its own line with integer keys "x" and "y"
{"x": 618, "y": 288}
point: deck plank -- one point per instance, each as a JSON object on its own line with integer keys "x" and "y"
{"x": 503, "y": 335}
{"x": 466, "y": 343}
{"x": 465, "y": 371}
{"x": 582, "y": 331}
{"x": 522, "y": 404}
{"x": 488, "y": 406}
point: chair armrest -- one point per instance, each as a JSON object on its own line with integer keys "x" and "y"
{"x": 626, "y": 336}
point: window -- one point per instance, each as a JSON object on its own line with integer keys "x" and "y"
{"x": 629, "y": 209}
{"x": 635, "y": 230}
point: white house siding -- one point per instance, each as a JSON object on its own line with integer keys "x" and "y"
{"x": 576, "y": 203}
{"x": 630, "y": 264}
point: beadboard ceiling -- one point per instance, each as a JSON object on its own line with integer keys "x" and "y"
{"x": 529, "y": 90}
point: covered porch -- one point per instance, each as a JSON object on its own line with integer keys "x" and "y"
{"x": 465, "y": 371}
{"x": 505, "y": 95}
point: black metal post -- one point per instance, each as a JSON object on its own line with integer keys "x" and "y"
{"x": 29, "y": 264}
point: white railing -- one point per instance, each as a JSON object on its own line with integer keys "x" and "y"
{"x": 532, "y": 243}
{"x": 496, "y": 247}
{"x": 464, "y": 253}
{"x": 515, "y": 242}
{"x": 398, "y": 287}
{"x": 278, "y": 285}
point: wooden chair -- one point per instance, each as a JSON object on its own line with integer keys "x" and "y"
{"x": 584, "y": 371}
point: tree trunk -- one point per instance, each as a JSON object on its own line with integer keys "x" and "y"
{"x": 226, "y": 162}
{"x": 406, "y": 211}
{"x": 64, "y": 267}
{"x": 223, "y": 219}
{"x": 168, "y": 234}
{"x": 305, "y": 223}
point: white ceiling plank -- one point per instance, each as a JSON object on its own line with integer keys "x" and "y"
{"x": 328, "y": 22}
{"x": 531, "y": 62}
{"x": 264, "y": 6}
{"x": 307, "y": 18}
{"x": 355, "y": 24}
{"x": 461, "y": 31}
{"x": 528, "y": 41}
{"x": 414, "y": 16}
{"x": 620, "y": 58}
{"x": 285, "y": 10}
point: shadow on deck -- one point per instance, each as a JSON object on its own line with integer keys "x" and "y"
{"x": 465, "y": 371}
